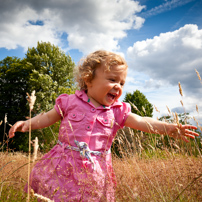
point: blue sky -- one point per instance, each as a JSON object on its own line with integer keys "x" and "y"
{"x": 160, "y": 39}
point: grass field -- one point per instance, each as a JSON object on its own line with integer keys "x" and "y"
{"x": 165, "y": 178}
{"x": 152, "y": 168}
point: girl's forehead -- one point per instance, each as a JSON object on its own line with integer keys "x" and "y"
{"x": 116, "y": 71}
{"x": 116, "y": 67}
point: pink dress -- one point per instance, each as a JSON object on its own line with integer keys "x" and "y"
{"x": 62, "y": 174}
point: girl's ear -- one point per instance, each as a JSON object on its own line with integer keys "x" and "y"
{"x": 88, "y": 83}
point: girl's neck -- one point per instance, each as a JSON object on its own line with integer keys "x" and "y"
{"x": 94, "y": 102}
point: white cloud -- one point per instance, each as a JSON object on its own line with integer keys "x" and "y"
{"x": 167, "y": 59}
{"x": 171, "y": 57}
{"x": 89, "y": 24}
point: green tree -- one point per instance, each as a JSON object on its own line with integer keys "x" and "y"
{"x": 183, "y": 118}
{"x": 45, "y": 69}
{"x": 128, "y": 141}
{"x": 140, "y": 104}
{"x": 51, "y": 74}
{"x": 14, "y": 77}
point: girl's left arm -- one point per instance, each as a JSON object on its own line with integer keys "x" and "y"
{"x": 151, "y": 125}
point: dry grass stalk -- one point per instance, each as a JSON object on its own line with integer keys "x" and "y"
{"x": 195, "y": 120}
{"x": 182, "y": 103}
{"x": 156, "y": 109}
{"x": 180, "y": 89}
{"x": 134, "y": 106}
{"x": 177, "y": 119}
{"x": 31, "y": 99}
{"x": 143, "y": 109}
{"x": 4, "y": 134}
{"x": 43, "y": 198}
{"x": 197, "y": 108}
{"x": 158, "y": 179}
{"x": 36, "y": 146}
{"x": 112, "y": 122}
{"x": 5, "y": 118}
{"x": 150, "y": 127}
{"x": 60, "y": 111}
{"x": 168, "y": 109}
{"x": 197, "y": 123}
{"x": 199, "y": 77}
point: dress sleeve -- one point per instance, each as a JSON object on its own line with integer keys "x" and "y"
{"x": 122, "y": 114}
{"x": 61, "y": 104}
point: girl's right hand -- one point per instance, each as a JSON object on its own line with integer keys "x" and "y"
{"x": 20, "y": 126}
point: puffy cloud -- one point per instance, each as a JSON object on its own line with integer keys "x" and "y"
{"x": 164, "y": 61}
{"x": 171, "y": 57}
{"x": 89, "y": 24}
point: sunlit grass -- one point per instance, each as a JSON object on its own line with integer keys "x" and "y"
{"x": 148, "y": 167}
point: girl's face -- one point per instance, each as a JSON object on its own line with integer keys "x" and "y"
{"x": 107, "y": 86}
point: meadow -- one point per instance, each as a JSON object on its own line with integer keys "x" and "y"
{"x": 161, "y": 177}
{"x": 148, "y": 168}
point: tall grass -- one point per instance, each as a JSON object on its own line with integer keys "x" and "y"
{"x": 148, "y": 167}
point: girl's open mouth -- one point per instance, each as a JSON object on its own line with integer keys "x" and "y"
{"x": 112, "y": 96}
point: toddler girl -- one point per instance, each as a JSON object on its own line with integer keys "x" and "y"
{"x": 79, "y": 167}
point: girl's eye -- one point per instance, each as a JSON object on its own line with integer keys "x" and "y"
{"x": 113, "y": 80}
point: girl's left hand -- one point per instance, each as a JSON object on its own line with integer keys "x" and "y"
{"x": 183, "y": 131}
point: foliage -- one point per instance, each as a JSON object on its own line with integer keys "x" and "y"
{"x": 136, "y": 142}
{"x": 51, "y": 75}
{"x": 140, "y": 104}
{"x": 14, "y": 77}
{"x": 183, "y": 118}
{"x": 125, "y": 139}
{"x": 129, "y": 142}
{"x": 45, "y": 69}
{"x": 13, "y": 85}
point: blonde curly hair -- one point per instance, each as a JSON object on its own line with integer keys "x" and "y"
{"x": 85, "y": 71}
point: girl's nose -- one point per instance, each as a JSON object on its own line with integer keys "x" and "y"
{"x": 117, "y": 86}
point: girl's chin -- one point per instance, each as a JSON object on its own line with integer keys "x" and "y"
{"x": 110, "y": 102}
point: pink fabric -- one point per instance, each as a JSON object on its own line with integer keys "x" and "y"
{"x": 62, "y": 175}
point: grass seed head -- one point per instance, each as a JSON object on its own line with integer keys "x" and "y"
{"x": 199, "y": 77}
{"x": 143, "y": 109}
{"x": 156, "y": 109}
{"x": 31, "y": 99}
{"x": 177, "y": 119}
{"x": 134, "y": 106}
{"x": 197, "y": 108}
{"x": 5, "y": 118}
{"x": 180, "y": 89}
{"x": 168, "y": 109}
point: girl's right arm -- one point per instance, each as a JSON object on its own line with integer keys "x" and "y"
{"x": 40, "y": 121}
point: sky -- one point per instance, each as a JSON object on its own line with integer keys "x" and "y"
{"x": 161, "y": 41}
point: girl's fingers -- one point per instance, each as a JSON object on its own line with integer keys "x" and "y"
{"x": 11, "y": 133}
{"x": 189, "y": 132}
{"x": 185, "y": 139}
{"x": 185, "y": 131}
{"x": 14, "y": 128}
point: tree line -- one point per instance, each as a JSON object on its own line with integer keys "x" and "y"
{"x": 49, "y": 71}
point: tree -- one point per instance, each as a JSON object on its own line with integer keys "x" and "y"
{"x": 45, "y": 69}
{"x": 126, "y": 142}
{"x": 14, "y": 77}
{"x": 51, "y": 75}
{"x": 182, "y": 118}
{"x": 140, "y": 104}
